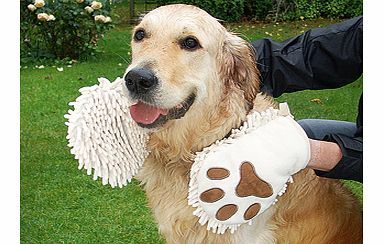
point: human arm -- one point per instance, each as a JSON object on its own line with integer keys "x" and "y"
{"x": 320, "y": 58}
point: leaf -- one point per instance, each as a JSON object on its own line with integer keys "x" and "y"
{"x": 316, "y": 100}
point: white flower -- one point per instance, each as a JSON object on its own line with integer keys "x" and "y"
{"x": 79, "y": 1}
{"x": 96, "y": 5}
{"x": 51, "y": 17}
{"x": 39, "y": 3}
{"x": 42, "y": 16}
{"x": 89, "y": 9}
{"x": 32, "y": 7}
{"x": 100, "y": 18}
{"x": 41, "y": 67}
{"x": 108, "y": 19}
{"x": 60, "y": 69}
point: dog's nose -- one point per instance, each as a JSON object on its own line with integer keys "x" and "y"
{"x": 140, "y": 80}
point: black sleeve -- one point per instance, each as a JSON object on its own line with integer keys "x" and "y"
{"x": 320, "y": 58}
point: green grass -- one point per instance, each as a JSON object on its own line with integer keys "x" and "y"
{"x": 60, "y": 204}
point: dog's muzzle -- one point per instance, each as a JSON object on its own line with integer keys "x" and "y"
{"x": 143, "y": 84}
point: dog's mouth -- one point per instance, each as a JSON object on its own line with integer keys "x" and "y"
{"x": 149, "y": 116}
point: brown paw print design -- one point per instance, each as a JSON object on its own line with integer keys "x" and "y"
{"x": 250, "y": 184}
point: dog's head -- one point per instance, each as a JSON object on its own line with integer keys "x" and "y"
{"x": 184, "y": 62}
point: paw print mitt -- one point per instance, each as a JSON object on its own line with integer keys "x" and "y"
{"x": 102, "y": 135}
{"x": 236, "y": 179}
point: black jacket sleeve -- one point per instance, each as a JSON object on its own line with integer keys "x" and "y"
{"x": 320, "y": 58}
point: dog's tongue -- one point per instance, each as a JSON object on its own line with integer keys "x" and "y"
{"x": 145, "y": 114}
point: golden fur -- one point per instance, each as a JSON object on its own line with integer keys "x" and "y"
{"x": 224, "y": 78}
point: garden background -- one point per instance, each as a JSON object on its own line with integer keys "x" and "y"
{"x": 60, "y": 54}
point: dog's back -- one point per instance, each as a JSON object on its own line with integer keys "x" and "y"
{"x": 318, "y": 210}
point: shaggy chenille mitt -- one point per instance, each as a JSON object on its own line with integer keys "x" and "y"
{"x": 236, "y": 179}
{"x": 103, "y": 136}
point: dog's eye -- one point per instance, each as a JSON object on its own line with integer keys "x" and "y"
{"x": 139, "y": 35}
{"x": 190, "y": 43}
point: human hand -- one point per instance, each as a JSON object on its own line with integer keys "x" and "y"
{"x": 324, "y": 155}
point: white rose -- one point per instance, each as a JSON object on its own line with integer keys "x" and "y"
{"x": 39, "y": 3}
{"x": 51, "y": 17}
{"x": 96, "y": 5}
{"x": 108, "y": 19}
{"x": 42, "y": 16}
{"x": 89, "y": 9}
{"x": 79, "y": 1}
{"x": 100, "y": 18}
{"x": 32, "y": 7}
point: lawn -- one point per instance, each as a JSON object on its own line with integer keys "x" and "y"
{"x": 59, "y": 203}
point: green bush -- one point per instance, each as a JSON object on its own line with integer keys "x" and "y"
{"x": 220, "y": 9}
{"x": 276, "y": 9}
{"x": 258, "y": 9}
{"x": 308, "y": 9}
{"x": 343, "y": 8}
{"x": 298, "y": 9}
{"x": 62, "y": 28}
{"x": 311, "y": 9}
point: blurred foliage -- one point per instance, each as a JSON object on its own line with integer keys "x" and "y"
{"x": 276, "y": 10}
{"x": 224, "y": 10}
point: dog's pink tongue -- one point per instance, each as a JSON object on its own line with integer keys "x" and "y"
{"x": 145, "y": 114}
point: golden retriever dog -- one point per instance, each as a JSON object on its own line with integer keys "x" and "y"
{"x": 195, "y": 82}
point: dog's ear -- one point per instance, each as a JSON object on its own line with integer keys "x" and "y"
{"x": 237, "y": 66}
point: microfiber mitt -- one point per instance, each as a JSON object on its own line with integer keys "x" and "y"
{"x": 236, "y": 179}
{"x": 103, "y": 136}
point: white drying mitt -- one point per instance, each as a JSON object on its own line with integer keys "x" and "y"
{"x": 103, "y": 136}
{"x": 236, "y": 179}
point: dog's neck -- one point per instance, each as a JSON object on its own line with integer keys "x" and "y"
{"x": 179, "y": 143}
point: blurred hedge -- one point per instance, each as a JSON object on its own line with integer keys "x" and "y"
{"x": 231, "y": 10}
{"x": 276, "y": 10}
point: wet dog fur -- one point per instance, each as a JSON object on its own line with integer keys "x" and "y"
{"x": 221, "y": 73}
